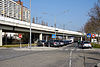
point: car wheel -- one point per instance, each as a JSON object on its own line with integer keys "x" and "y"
{"x": 90, "y": 47}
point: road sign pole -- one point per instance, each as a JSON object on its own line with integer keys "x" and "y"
{"x": 20, "y": 36}
{"x": 20, "y": 43}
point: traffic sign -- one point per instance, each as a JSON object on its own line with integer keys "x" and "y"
{"x": 20, "y": 36}
{"x": 53, "y": 36}
{"x": 93, "y": 35}
{"x": 88, "y": 35}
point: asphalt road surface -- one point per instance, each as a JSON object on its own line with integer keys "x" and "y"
{"x": 67, "y": 56}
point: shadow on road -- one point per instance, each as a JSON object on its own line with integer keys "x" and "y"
{"x": 93, "y": 58}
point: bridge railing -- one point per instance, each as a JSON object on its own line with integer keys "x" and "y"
{"x": 36, "y": 26}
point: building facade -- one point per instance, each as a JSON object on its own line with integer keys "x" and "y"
{"x": 15, "y": 10}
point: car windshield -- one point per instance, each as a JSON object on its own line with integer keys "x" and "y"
{"x": 56, "y": 40}
{"x": 86, "y": 42}
{"x": 43, "y": 41}
{"x": 61, "y": 41}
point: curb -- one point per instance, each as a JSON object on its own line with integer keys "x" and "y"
{"x": 35, "y": 49}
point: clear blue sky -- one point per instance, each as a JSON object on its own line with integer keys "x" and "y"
{"x": 72, "y": 13}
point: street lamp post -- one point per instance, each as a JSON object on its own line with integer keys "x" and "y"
{"x": 30, "y": 24}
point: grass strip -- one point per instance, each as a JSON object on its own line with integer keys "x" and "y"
{"x": 95, "y": 45}
{"x": 17, "y": 45}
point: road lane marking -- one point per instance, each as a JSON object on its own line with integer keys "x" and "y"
{"x": 70, "y": 62}
{"x": 82, "y": 49}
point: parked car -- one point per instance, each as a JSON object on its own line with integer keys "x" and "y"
{"x": 52, "y": 43}
{"x": 66, "y": 42}
{"x": 85, "y": 44}
{"x": 69, "y": 41}
{"x": 41, "y": 43}
{"x": 61, "y": 42}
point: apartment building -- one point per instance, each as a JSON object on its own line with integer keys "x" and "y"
{"x": 15, "y": 10}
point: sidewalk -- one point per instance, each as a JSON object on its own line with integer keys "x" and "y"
{"x": 3, "y": 48}
{"x": 35, "y": 49}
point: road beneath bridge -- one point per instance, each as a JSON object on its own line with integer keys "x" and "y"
{"x": 67, "y": 56}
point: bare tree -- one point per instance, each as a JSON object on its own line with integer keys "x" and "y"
{"x": 93, "y": 24}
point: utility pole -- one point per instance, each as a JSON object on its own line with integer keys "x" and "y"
{"x": 63, "y": 29}
{"x": 30, "y": 24}
{"x": 37, "y": 20}
{"x": 33, "y": 20}
{"x": 55, "y": 27}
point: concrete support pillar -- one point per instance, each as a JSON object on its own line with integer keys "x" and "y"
{"x": 81, "y": 39}
{"x": 63, "y": 36}
{"x": 0, "y": 37}
{"x": 46, "y": 37}
{"x": 40, "y": 37}
{"x": 66, "y": 37}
